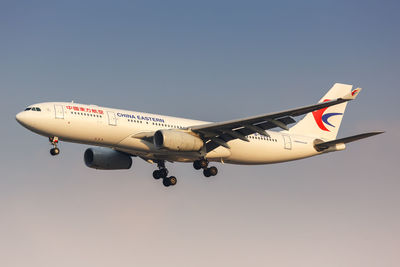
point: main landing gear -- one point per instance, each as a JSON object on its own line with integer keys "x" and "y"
{"x": 162, "y": 172}
{"x": 203, "y": 164}
{"x": 55, "y": 150}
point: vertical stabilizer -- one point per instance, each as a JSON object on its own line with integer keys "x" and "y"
{"x": 324, "y": 123}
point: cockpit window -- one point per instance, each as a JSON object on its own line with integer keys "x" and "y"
{"x": 33, "y": 109}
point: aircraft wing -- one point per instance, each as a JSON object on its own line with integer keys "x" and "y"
{"x": 219, "y": 133}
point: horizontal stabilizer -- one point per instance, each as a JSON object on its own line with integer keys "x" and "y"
{"x": 353, "y": 94}
{"x": 326, "y": 145}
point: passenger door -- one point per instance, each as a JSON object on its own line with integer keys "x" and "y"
{"x": 59, "y": 111}
{"x": 112, "y": 120}
{"x": 288, "y": 142}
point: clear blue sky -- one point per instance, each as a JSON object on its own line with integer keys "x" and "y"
{"x": 209, "y": 60}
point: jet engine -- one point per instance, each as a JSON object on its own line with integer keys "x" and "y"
{"x": 177, "y": 140}
{"x": 106, "y": 159}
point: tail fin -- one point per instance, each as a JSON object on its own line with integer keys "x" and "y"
{"x": 325, "y": 123}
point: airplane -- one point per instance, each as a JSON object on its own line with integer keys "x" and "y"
{"x": 118, "y": 135}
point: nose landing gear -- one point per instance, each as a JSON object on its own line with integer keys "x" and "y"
{"x": 162, "y": 172}
{"x": 55, "y": 150}
{"x": 203, "y": 164}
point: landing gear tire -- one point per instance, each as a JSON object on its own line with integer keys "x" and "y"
{"x": 203, "y": 163}
{"x": 196, "y": 165}
{"x": 156, "y": 174}
{"x": 165, "y": 182}
{"x": 206, "y": 172}
{"x": 200, "y": 164}
{"x": 169, "y": 181}
{"x": 172, "y": 180}
{"x": 55, "y": 151}
{"x": 163, "y": 172}
{"x": 212, "y": 171}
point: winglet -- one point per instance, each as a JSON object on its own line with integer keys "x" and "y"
{"x": 353, "y": 94}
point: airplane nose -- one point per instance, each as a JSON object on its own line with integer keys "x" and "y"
{"x": 18, "y": 117}
{"x": 21, "y": 118}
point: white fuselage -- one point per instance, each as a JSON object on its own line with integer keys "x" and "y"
{"x": 115, "y": 128}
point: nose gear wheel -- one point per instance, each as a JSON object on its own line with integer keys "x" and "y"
{"x": 55, "y": 150}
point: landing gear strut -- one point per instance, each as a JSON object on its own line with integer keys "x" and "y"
{"x": 162, "y": 172}
{"x": 203, "y": 164}
{"x": 55, "y": 150}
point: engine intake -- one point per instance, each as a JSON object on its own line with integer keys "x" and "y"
{"x": 106, "y": 159}
{"x": 177, "y": 140}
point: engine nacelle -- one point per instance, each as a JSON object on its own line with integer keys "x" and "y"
{"x": 106, "y": 159}
{"x": 177, "y": 140}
